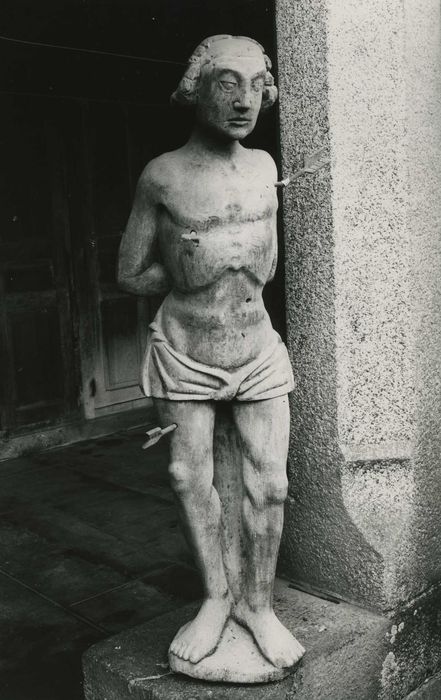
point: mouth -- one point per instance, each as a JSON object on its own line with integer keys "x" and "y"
{"x": 239, "y": 121}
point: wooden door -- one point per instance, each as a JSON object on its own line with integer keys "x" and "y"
{"x": 37, "y": 356}
{"x": 113, "y": 339}
{"x": 71, "y": 342}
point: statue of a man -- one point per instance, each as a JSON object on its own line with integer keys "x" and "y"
{"x": 203, "y": 231}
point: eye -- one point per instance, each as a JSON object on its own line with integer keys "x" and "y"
{"x": 257, "y": 85}
{"x": 227, "y": 85}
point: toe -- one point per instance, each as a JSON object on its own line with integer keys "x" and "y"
{"x": 194, "y": 657}
{"x": 185, "y": 654}
{"x": 289, "y": 661}
{"x": 299, "y": 652}
{"x": 280, "y": 662}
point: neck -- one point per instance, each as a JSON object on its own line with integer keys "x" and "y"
{"x": 203, "y": 141}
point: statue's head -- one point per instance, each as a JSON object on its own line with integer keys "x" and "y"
{"x": 228, "y": 82}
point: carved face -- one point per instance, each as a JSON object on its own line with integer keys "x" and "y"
{"x": 230, "y": 89}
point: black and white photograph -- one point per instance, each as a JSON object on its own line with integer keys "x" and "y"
{"x": 220, "y": 350}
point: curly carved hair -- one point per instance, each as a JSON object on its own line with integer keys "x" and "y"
{"x": 186, "y": 93}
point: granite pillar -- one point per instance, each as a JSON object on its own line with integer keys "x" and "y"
{"x": 363, "y": 271}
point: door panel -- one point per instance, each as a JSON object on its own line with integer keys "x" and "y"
{"x": 71, "y": 342}
{"x": 121, "y": 319}
{"x": 37, "y": 364}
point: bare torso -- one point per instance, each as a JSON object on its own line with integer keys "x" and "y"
{"x": 210, "y": 208}
{"x": 217, "y": 238}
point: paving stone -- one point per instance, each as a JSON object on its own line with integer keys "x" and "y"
{"x": 27, "y": 486}
{"x": 47, "y": 567}
{"x": 40, "y": 647}
{"x": 128, "y": 556}
{"x": 94, "y": 527}
{"x": 118, "y": 460}
{"x": 181, "y": 581}
{"x": 129, "y": 516}
{"x": 127, "y": 606}
{"x": 143, "y": 599}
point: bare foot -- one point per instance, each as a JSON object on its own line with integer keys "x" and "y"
{"x": 200, "y": 637}
{"x": 274, "y": 640}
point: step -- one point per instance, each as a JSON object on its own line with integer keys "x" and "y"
{"x": 429, "y": 690}
{"x": 346, "y": 647}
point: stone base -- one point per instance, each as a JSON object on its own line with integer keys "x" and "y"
{"x": 236, "y": 660}
{"x": 345, "y": 651}
{"x": 430, "y": 690}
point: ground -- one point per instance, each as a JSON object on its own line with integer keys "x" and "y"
{"x": 90, "y": 546}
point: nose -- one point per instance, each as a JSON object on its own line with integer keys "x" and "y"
{"x": 243, "y": 99}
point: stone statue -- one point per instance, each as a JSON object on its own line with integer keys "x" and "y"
{"x": 203, "y": 231}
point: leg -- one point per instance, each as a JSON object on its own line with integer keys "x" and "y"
{"x": 191, "y": 473}
{"x": 263, "y": 427}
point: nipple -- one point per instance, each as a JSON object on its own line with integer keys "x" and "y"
{"x": 192, "y": 236}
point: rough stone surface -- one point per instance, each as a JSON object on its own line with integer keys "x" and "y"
{"x": 346, "y": 647}
{"x": 321, "y": 545}
{"x": 379, "y": 497}
{"x": 363, "y": 265}
{"x": 430, "y": 690}
{"x": 414, "y": 642}
{"x": 369, "y": 207}
{"x": 423, "y": 143}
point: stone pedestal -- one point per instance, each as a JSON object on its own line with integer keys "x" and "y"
{"x": 236, "y": 660}
{"x": 346, "y": 646}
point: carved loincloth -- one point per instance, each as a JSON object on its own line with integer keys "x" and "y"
{"x": 169, "y": 374}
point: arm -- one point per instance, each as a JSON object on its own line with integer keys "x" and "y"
{"x": 274, "y": 263}
{"x": 138, "y": 273}
{"x": 270, "y": 169}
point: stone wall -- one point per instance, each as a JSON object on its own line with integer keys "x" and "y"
{"x": 363, "y": 264}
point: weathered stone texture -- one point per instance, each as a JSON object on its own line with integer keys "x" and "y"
{"x": 423, "y": 144}
{"x": 363, "y": 262}
{"x": 363, "y": 270}
{"x": 322, "y": 545}
{"x": 429, "y": 690}
{"x": 345, "y": 645}
{"x": 369, "y": 203}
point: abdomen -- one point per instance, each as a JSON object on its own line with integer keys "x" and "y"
{"x": 223, "y": 325}
{"x": 198, "y": 259}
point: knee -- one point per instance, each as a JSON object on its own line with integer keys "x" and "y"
{"x": 181, "y": 478}
{"x": 276, "y": 490}
{"x": 269, "y": 491}
{"x": 186, "y": 479}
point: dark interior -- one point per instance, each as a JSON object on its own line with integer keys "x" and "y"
{"x": 85, "y": 88}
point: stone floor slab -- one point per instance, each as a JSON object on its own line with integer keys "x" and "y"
{"x": 127, "y": 606}
{"x": 40, "y": 647}
{"x": 49, "y": 568}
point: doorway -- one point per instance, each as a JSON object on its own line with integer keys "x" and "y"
{"x": 84, "y": 93}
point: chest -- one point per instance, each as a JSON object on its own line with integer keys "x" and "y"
{"x": 207, "y": 200}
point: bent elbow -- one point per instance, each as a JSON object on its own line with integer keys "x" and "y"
{"x": 124, "y": 282}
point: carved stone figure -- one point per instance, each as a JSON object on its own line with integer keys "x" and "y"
{"x": 203, "y": 231}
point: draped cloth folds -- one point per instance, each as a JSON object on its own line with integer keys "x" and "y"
{"x": 169, "y": 374}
